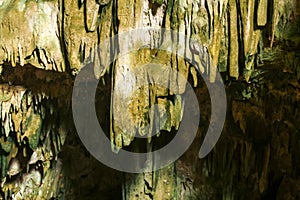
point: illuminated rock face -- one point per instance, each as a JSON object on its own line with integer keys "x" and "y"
{"x": 34, "y": 125}
{"x": 60, "y": 35}
{"x": 63, "y": 36}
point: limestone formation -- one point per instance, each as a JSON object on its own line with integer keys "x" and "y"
{"x": 45, "y": 44}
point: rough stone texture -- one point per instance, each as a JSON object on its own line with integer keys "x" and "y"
{"x": 65, "y": 36}
{"x": 62, "y": 35}
{"x": 29, "y": 33}
{"x": 258, "y": 152}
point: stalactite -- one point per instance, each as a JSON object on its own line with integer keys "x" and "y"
{"x": 106, "y": 27}
{"x": 205, "y": 19}
{"x": 83, "y": 42}
{"x": 91, "y": 14}
{"x": 274, "y": 21}
{"x": 68, "y": 34}
{"x": 25, "y": 155}
{"x": 23, "y": 32}
{"x": 262, "y": 15}
{"x": 233, "y": 40}
{"x": 216, "y": 16}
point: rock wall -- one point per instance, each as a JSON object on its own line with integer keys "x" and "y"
{"x": 44, "y": 44}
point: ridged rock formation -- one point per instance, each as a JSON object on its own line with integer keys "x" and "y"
{"x": 45, "y": 44}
